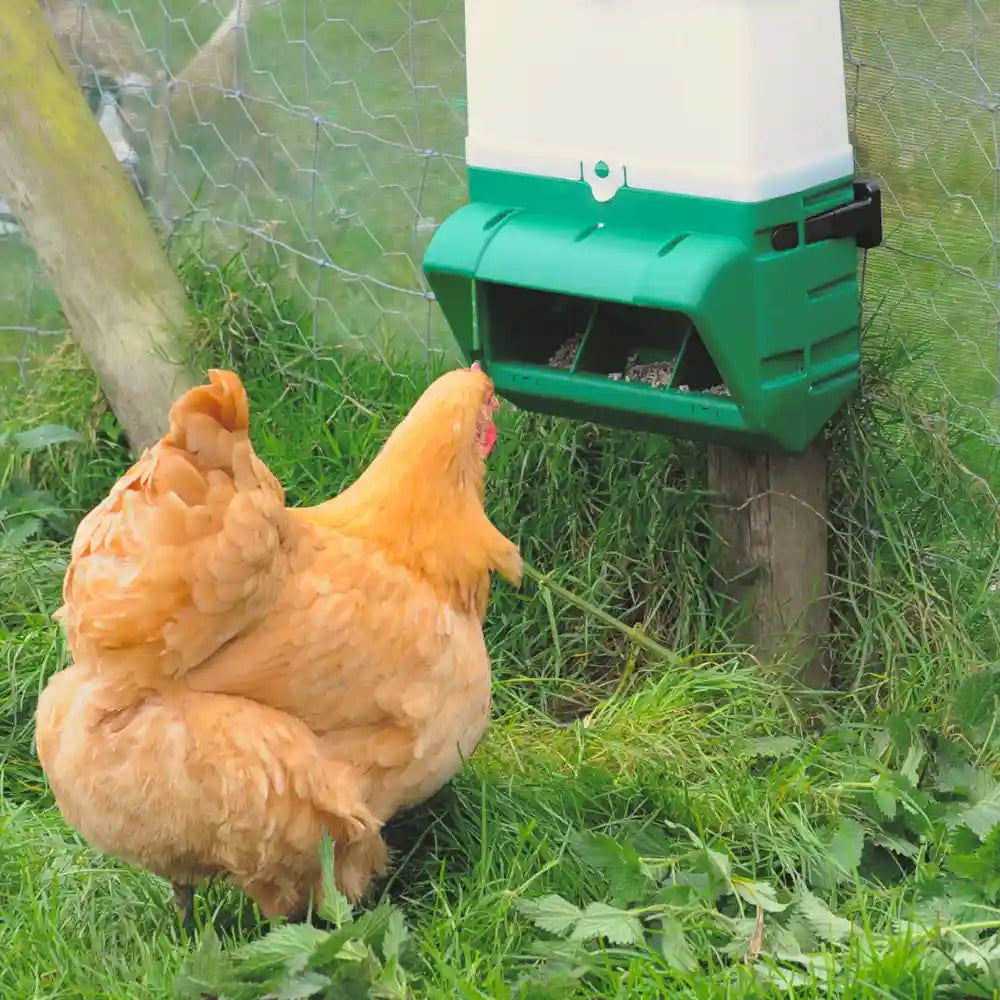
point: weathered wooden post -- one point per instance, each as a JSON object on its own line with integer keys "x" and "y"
{"x": 771, "y": 519}
{"x": 120, "y": 295}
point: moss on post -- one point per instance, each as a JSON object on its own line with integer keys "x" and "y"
{"x": 88, "y": 228}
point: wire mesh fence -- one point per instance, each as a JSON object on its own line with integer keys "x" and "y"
{"x": 923, "y": 83}
{"x": 326, "y": 136}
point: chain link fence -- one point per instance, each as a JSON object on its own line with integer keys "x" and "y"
{"x": 334, "y": 146}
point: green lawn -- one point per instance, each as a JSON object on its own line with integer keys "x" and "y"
{"x": 634, "y": 803}
{"x": 647, "y": 817}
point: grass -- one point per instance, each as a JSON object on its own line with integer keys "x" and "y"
{"x": 632, "y": 817}
{"x": 629, "y": 811}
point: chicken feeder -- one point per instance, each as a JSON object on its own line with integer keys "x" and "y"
{"x": 663, "y": 218}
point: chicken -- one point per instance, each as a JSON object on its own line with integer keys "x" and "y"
{"x": 246, "y": 675}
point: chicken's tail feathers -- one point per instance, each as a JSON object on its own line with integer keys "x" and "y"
{"x": 223, "y": 401}
{"x": 210, "y": 427}
{"x": 184, "y": 552}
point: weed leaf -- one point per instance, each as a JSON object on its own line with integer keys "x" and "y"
{"x": 551, "y": 913}
{"x": 395, "y": 936}
{"x": 334, "y": 907}
{"x": 45, "y": 435}
{"x": 759, "y": 894}
{"x": 674, "y": 946}
{"x": 846, "y": 846}
{"x": 617, "y": 861}
{"x": 289, "y": 946}
{"x": 602, "y": 920}
{"x": 982, "y": 817}
{"x": 301, "y": 987}
{"x": 823, "y": 922}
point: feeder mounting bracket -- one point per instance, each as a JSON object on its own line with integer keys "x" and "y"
{"x": 859, "y": 219}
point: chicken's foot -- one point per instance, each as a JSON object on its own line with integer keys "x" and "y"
{"x": 183, "y": 900}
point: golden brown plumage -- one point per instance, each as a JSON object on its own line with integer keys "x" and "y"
{"x": 309, "y": 667}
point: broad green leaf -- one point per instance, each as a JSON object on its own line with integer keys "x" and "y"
{"x": 551, "y": 913}
{"x": 674, "y": 946}
{"x": 289, "y": 946}
{"x": 971, "y": 957}
{"x": 395, "y": 936}
{"x": 331, "y": 950}
{"x": 617, "y": 861}
{"x": 16, "y": 532}
{"x": 45, "y": 435}
{"x": 601, "y": 920}
{"x": 741, "y": 931}
{"x": 964, "y": 779}
{"x": 885, "y": 797}
{"x": 881, "y": 740}
{"x": 846, "y": 845}
{"x": 714, "y": 864}
{"x": 972, "y": 704}
{"x": 354, "y": 951}
{"x": 390, "y": 985}
{"x": 982, "y": 817}
{"x": 553, "y": 979}
{"x": 719, "y": 863}
{"x": 824, "y": 923}
{"x": 684, "y": 887}
{"x": 898, "y": 845}
{"x": 771, "y": 746}
{"x": 692, "y": 836}
{"x": 758, "y": 894}
{"x": 301, "y": 987}
{"x": 335, "y": 906}
{"x": 372, "y": 924}
{"x": 910, "y": 768}
{"x": 788, "y": 980}
{"x": 978, "y": 862}
{"x": 818, "y": 965}
{"x": 208, "y": 970}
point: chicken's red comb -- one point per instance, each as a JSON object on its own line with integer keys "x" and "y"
{"x": 476, "y": 367}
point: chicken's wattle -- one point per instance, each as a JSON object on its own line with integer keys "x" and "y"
{"x": 489, "y": 438}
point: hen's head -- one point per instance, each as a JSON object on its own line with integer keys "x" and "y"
{"x": 451, "y": 423}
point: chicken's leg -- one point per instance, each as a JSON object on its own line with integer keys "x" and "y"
{"x": 183, "y": 900}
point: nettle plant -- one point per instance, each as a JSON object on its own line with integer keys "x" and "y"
{"x": 904, "y": 868}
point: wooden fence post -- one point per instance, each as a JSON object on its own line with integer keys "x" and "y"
{"x": 88, "y": 228}
{"x": 771, "y": 518}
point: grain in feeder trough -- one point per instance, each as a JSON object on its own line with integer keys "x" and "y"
{"x": 656, "y": 373}
{"x": 565, "y": 354}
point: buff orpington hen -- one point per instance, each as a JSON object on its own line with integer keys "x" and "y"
{"x": 247, "y": 675}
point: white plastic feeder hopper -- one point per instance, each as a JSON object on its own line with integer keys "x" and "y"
{"x": 667, "y": 180}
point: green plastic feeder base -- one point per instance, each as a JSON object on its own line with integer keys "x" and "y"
{"x": 741, "y": 338}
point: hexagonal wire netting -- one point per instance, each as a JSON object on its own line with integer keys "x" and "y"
{"x": 334, "y": 146}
